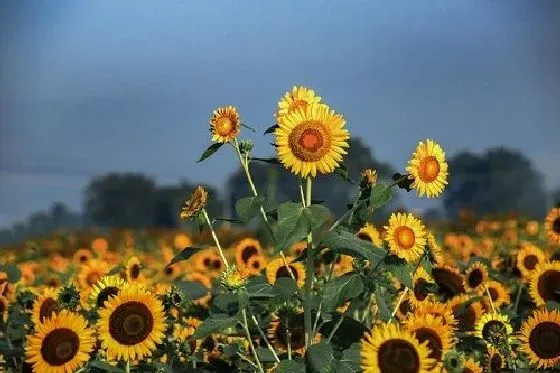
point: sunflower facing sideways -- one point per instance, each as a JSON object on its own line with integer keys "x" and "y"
{"x": 131, "y": 324}
{"x": 277, "y": 268}
{"x": 106, "y": 288}
{"x": 389, "y": 349}
{"x": 544, "y": 285}
{"x": 225, "y": 124}
{"x": 91, "y": 272}
{"x": 552, "y": 226}
{"x": 45, "y": 305}
{"x": 540, "y": 338}
{"x": 311, "y": 140}
{"x": 369, "y": 233}
{"x": 406, "y": 236}
{"x": 430, "y": 328}
{"x": 61, "y": 344}
{"x": 420, "y": 281}
{"x": 429, "y": 169}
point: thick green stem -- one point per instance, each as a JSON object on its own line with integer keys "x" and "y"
{"x": 309, "y": 271}
{"x": 215, "y": 237}
{"x": 251, "y": 345}
{"x": 127, "y": 367}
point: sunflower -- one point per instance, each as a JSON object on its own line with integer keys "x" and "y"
{"x": 61, "y": 344}
{"x": 311, "y": 140}
{"x": 369, "y": 233}
{"x": 434, "y": 249}
{"x": 292, "y": 324}
{"x": 131, "y": 324}
{"x": 203, "y": 261}
{"x": 475, "y": 277}
{"x": 496, "y": 362}
{"x": 369, "y": 178}
{"x": 298, "y": 98}
{"x": 544, "y": 285}
{"x": 430, "y": 328}
{"x": 81, "y": 256}
{"x": 528, "y": 258}
{"x": 234, "y": 278}
{"x": 405, "y": 307}
{"x": 540, "y": 338}
{"x": 552, "y": 226}
{"x": 532, "y": 228}
{"x": 420, "y": 282}
{"x": 389, "y": 349}
{"x": 436, "y": 309}
{"x": 133, "y": 267}
{"x": 245, "y": 249}
{"x": 45, "y": 306}
{"x": 277, "y": 268}
{"x": 91, "y": 272}
{"x": 255, "y": 264}
{"x": 471, "y": 366}
{"x": 194, "y": 204}
{"x": 298, "y": 248}
{"x": 406, "y": 236}
{"x": 467, "y": 317}
{"x": 494, "y": 328}
{"x": 448, "y": 280}
{"x": 225, "y": 124}
{"x": 106, "y": 288}
{"x": 429, "y": 169}
{"x": 498, "y": 293}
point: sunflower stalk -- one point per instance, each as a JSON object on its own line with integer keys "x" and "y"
{"x": 251, "y": 345}
{"x": 309, "y": 270}
{"x": 401, "y": 298}
{"x": 263, "y": 336}
{"x": 215, "y": 238}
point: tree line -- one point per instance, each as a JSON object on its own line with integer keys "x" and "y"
{"x": 496, "y": 182}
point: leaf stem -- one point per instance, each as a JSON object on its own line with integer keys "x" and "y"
{"x": 215, "y": 238}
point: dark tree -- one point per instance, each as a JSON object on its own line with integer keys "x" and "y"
{"x": 498, "y": 182}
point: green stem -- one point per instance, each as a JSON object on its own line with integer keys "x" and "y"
{"x": 248, "y": 334}
{"x": 263, "y": 336}
{"x": 398, "y": 305}
{"x": 215, "y": 237}
{"x": 309, "y": 270}
{"x": 127, "y": 367}
{"x": 518, "y": 297}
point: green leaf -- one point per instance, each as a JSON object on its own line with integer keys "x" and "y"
{"x": 105, "y": 366}
{"x": 343, "y": 242}
{"x": 342, "y": 171}
{"x": 341, "y": 289}
{"x": 214, "y": 324}
{"x": 380, "y": 195}
{"x": 290, "y": 366}
{"x": 258, "y": 287}
{"x": 350, "y": 331}
{"x": 318, "y": 215}
{"x": 186, "y": 253}
{"x": 210, "y": 150}
{"x": 285, "y": 286}
{"x": 265, "y": 355}
{"x": 350, "y": 362}
{"x": 226, "y": 303}
{"x": 192, "y": 289}
{"x": 292, "y": 225}
{"x": 247, "y": 208}
{"x": 384, "y": 311}
{"x": 271, "y": 129}
{"x": 12, "y": 271}
{"x": 271, "y": 160}
{"x": 321, "y": 357}
{"x": 399, "y": 269}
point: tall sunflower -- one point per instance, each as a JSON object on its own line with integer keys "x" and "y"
{"x": 106, "y": 288}
{"x": 45, "y": 305}
{"x": 406, "y": 236}
{"x": 131, "y": 324}
{"x": 430, "y": 328}
{"x": 540, "y": 338}
{"x": 61, "y": 344}
{"x": 225, "y": 124}
{"x": 388, "y": 349}
{"x": 194, "y": 204}
{"x": 552, "y": 226}
{"x": 544, "y": 284}
{"x": 311, "y": 140}
{"x": 369, "y": 233}
{"x": 494, "y": 328}
{"x": 299, "y": 98}
{"x": 429, "y": 169}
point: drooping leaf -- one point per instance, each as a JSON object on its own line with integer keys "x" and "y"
{"x": 258, "y": 287}
{"x": 270, "y": 160}
{"x": 318, "y": 215}
{"x": 247, "y": 208}
{"x": 380, "y": 195}
{"x": 343, "y": 242}
{"x": 214, "y": 324}
{"x": 210, "y": 151}
{"x": 342, "y": 171}
{"x": 290, "y": 366}
{"x": 292, "y": 225}
{"x": 271, "y": 129}
{"x": 384, "y": 311}
{"x": 350, "y": 361}
{"x": 186, "y": 253}
{"x": 285, "y": 286}
{"x": 265, "y": 355}
{"x": 320, "y": 357}
{"x": 192, "y": 289}
{"x": 400, "y": 269}
{"x": 341, "y": 289}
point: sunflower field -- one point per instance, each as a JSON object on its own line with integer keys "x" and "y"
{"x": 289, "y": 287}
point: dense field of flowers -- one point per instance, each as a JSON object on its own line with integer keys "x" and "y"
{"x": 311, "y": 292}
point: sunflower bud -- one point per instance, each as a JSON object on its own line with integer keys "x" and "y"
{"x": 69, "y": 297}
{"x": 453, "y": 362}
{"x": 369, "y": 178}
{"x": 245, "y": 147}
{"x": 195, "y": 203}
{"x": 234, "y": 278}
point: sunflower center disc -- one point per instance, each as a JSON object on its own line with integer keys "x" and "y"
{"x": 420, "y": 289}
{"x": 398, "y": 355}
{"x": 104, "y": 295}
{"x": 475, "y": 278}
{"x": 134, "y": 271}
{"x": 495, "y": 363}
{"x": 405, "y": 237}
{"x": 48, "y": 307}
{"x": 549, "y": 286}
{"x": 364, "y": 236}
{"x": 544, "y": 340}
{"x": 429, "y": 169}
{"x": 449, "y": 283}
{"x": 434, "y": 341}
{"x": 493, "y": 294}
{"x": 530, "y": 262}
{"x": 493, "y": 329}
{"x": 248, "y": 252}
{"x": 283, "y": 272}
{"x": 309, "y": 141}
{"x": 224, "y": 126}
{"x": 556, "y": 225}
{"x": 60, "y": 346}
{"x": 131, "y": 323}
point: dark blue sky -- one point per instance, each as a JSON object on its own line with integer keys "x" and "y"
{"x": 95, "y": 86}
